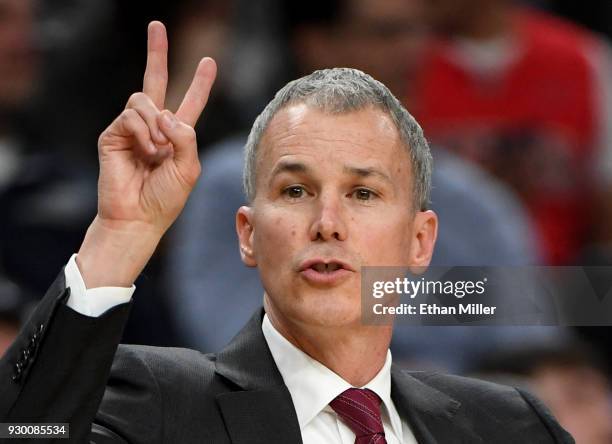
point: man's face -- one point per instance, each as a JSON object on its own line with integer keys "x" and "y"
{"x": 333, "y": 194}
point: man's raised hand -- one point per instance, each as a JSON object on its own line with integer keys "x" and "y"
{"x": 148, "y": 155}
{"x": 148, "y": 166}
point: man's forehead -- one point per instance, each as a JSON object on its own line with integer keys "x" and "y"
{"x": 302, "y": 125}
{"x": 362, "y": 143}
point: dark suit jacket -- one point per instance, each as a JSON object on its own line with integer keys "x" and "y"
{"x": 61, "y": 369}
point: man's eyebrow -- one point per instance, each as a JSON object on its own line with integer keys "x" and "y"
{"x": 299, "y": 167}
{"x": 289, "y": 167}
{"x": 367, "y": 172}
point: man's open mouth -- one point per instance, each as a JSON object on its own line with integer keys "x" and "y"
{"x": 326, "y": 268}
{"x": 325, "y": 271}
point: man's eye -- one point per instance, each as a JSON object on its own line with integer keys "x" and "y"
{"x": 294, "y": 192}
{"x": 363, "y": 194}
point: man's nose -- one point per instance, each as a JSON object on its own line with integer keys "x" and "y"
{"x": 329, "y": 222}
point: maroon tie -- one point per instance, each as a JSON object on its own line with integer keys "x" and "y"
{"x": 360, "y": 410}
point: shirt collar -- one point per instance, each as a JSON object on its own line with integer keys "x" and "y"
{"x": 313, "y": 386}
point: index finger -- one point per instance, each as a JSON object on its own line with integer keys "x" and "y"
{"x": 197, "y": 95}
{"x": 156, "y": 73}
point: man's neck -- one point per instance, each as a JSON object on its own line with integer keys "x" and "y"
{"x": 355, "y": 353}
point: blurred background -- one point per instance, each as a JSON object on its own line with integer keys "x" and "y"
{"x": 515, "y": 98}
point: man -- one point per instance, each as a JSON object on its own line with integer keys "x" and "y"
{"x": 489, "y": 227}
{"x": 337, "y": 174}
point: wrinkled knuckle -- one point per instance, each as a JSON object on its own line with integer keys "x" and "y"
{"x": 135, "y": 98}
{"x": 189, "y": 135}
{"x": 128, "y": 115}
{"x": 131, "y": 119}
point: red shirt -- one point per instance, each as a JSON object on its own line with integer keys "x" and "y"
{"x": 532, "y": 123}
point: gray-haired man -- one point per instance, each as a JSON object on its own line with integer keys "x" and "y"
{"x": 338, "y": 178}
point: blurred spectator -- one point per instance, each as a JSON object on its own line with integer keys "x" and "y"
{"x": 567, "y": 377}
{"x": 41, "y": 193}
{"x": 527, "y": 96}
{"x": 18, "y": 75}
{"x": 18, "y": 56}
{"x": 480, "y": 220}
{"x": 384, "y": 39}
{"x": 484, "y": 227}
{"x": 18, "y": 69}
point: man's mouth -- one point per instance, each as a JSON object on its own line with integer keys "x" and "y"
{"x": 326, "y": 268}
{"x": 325, "y": 272}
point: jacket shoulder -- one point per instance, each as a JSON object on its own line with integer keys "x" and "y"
{"x": 498, "y": 407}
{"x": 466, "y": 389}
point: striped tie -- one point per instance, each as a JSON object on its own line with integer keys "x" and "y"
{"x": 360, "y": 410}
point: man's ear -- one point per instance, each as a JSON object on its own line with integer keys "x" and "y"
{"x": 425, "y": 232}
{"x": 245, "y": 231}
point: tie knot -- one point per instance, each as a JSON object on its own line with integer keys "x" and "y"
{"x": 360, "y": 410}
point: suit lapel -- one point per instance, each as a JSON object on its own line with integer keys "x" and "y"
{"x": 429, "y": 412}
{"x": 261, "y": 410}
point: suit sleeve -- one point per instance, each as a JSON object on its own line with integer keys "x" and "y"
{"x": 57, "y": 368}
{"x": 559, "y": 434}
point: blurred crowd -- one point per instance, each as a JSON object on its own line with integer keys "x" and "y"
{"x": 515, "y": 98}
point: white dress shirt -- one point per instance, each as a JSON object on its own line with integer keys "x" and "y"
{"x": 312, "y": 385}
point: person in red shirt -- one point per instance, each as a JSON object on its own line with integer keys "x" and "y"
{"x": 520, "y": 92}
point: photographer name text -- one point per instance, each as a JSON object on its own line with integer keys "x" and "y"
{"x": 434, "y": 309}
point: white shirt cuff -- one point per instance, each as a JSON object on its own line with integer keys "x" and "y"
{"x": 93, "y": 301}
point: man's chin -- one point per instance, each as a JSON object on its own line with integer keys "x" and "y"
{"x": 329, "y": 312}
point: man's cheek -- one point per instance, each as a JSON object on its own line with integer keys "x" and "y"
{"x": 274, "y": 239}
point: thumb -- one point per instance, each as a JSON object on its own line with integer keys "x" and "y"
{"x": 183, "y": 139}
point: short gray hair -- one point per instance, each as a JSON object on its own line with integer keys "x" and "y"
{"x": 337, "y": 91}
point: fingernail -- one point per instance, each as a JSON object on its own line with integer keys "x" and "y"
{"x": 152, "y": 147}
{"x": 168, "y": 120}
